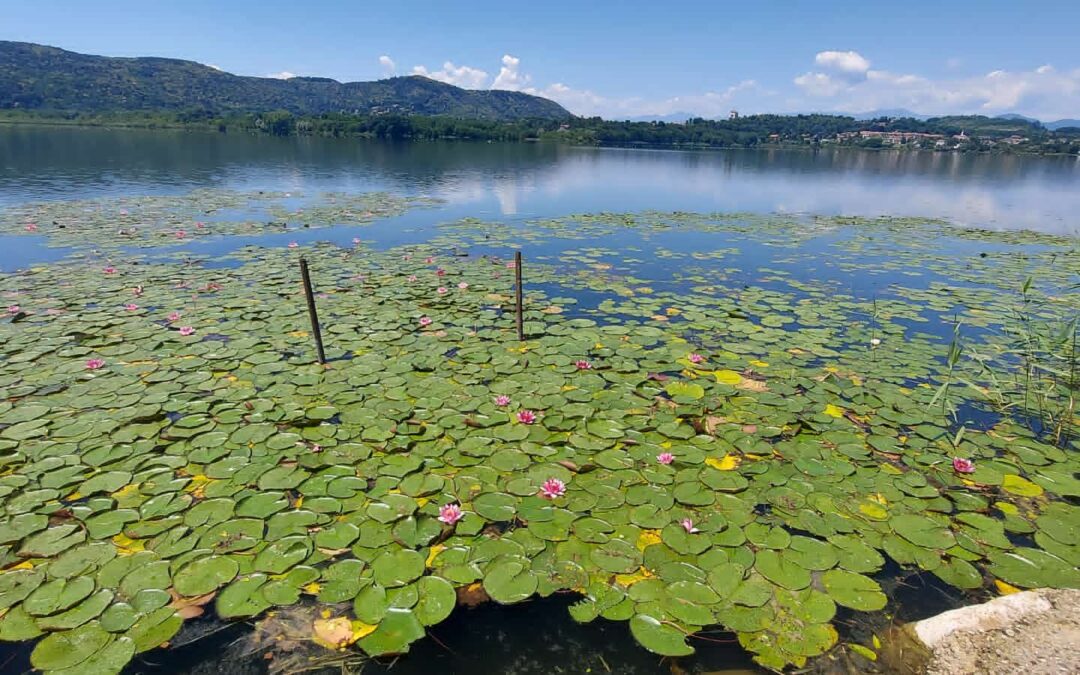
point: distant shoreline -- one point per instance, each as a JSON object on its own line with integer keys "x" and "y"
{"x": 229, "y": 126}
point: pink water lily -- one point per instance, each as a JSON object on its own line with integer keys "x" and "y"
{"x": 200, "y": 225}
{"x": 31, "y": 227}
{"x": 526, "y": 417}
{"x": 583, "y": 365}
{"x": 429, "y": 260}
{"x": 173, "y": 316}
{"x": 688, "y": 525}
{"x": 187, "y": 330}
{"x": 123, "y": 212}
{"x": 450, "y": 513}
{"x": 462, "y": 285}
{"x": 356, "y": 240}
{"x": 110, "y": 270}
{"x": 665, "y": 458}
{"x": 552, "y": 488}
{"x": 14, "y": 309}
{"x": 94, "y": 364}
{"x": 425, "y": 321}
{"x": 138, "y": 290}
{"x": 695, "y": 358}
{"x": 293, "y": 244}
{"x": 502, "y": 400}
{"x": 441, "y": 290}
{"x": 440, "y": 272}
{"x": 131, "y": 307}
{"x": 180, "y": 234}
{"x": 511, "y": 265}
{"x": 961, "y": 465}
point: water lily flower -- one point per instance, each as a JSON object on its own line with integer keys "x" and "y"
{"x": 665, "y": 458}
{"x": 131, "y": 307}
{"x": 187, "y": 330}
{"x": 31, "y": 227}
{"x": 293, "y": 244}
{"x": 875, "y": 342}
{"x": 13, "y": 309}
{"x": 462, "y": 285}
{"x": 200, "y": 225}
{"x": 356, "y": 240}
{"x": 583, "y": 365}
{"x": 440, "y": 272}
{"x": 502, "y": 400}
{"x": 526, "y": 417}
{"x": 695, "y": 358}
{"x": 138, "y": 290}
{"x": 180, "y": 234}
{"x": 688, "y": 525}
{"x": 961, "y": 465}
{"x": 110, "y": 270}
{"x": 511, "y": 265}
{"x": 552, "y": 488}
{"x": 450, "y": 513}
{"x": 441, "y": 290}
{"x": 425, "y": 321}
{"x": 174, "y": 316}
{"x": 429, "y": 260}
{"x": 94, "y": 364}
{"x": 123, "y": 212}
{"x": 412, "y": 277}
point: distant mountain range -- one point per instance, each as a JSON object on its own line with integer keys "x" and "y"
{"x": 680, "y": 117}
{"x": 37, "y": 77}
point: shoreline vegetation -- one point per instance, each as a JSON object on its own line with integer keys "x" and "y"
{"x": 964, "y": 134}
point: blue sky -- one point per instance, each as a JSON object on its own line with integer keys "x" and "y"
{"x": 619, "y": 58}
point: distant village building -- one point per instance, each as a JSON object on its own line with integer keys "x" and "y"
{"x": 734, "y": 115}
{"x": 890, "y": 137}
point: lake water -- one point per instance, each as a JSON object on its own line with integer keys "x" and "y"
{"x": 532, "y": 180}
{"x": 515, "y": 183}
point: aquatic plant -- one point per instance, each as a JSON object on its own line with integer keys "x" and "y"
{"x": 229, "y": 468}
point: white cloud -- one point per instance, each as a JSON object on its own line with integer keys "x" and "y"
{"x": 387, "y": 64}
{"x": 509, "y": 77}
{"x": 1044, "y": 92}
{"x": 818, "y": 84}
{"x": 460, "y": 76}
{"x": 845, "y": 62}
{"x": 283, "y": 75}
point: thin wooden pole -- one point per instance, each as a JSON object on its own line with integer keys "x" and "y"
{"x": 315, "y": 330}
{"x": 517, "y": 291}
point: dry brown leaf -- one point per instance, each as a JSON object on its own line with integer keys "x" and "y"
{"x": 333, "y": 633}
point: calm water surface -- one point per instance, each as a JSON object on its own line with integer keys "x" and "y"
{"x": 515, "y": 183}
{"x": 532, "y": 180}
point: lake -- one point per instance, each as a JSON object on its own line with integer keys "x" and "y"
{"x": 531, "y": 180}
{"x": 754, "y": 377}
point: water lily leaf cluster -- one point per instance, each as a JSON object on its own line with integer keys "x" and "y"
{"x": 680, "y": 451}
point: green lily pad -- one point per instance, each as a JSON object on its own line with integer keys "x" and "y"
{"x": 853, "y": 590}
{"x": 659, "y": 637}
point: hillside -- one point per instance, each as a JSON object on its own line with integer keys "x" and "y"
{"x": 37, "y": 77}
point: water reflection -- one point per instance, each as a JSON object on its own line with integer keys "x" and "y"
{"x": 997, "y": 191}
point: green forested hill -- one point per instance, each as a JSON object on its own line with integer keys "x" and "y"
{"x": 37, "y": 77}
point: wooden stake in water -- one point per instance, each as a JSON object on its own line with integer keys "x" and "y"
{"x": 517, "y": 292}
{"x": 315, "y": 330}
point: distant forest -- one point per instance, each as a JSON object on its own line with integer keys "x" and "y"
{"x": 960, "y": 133}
